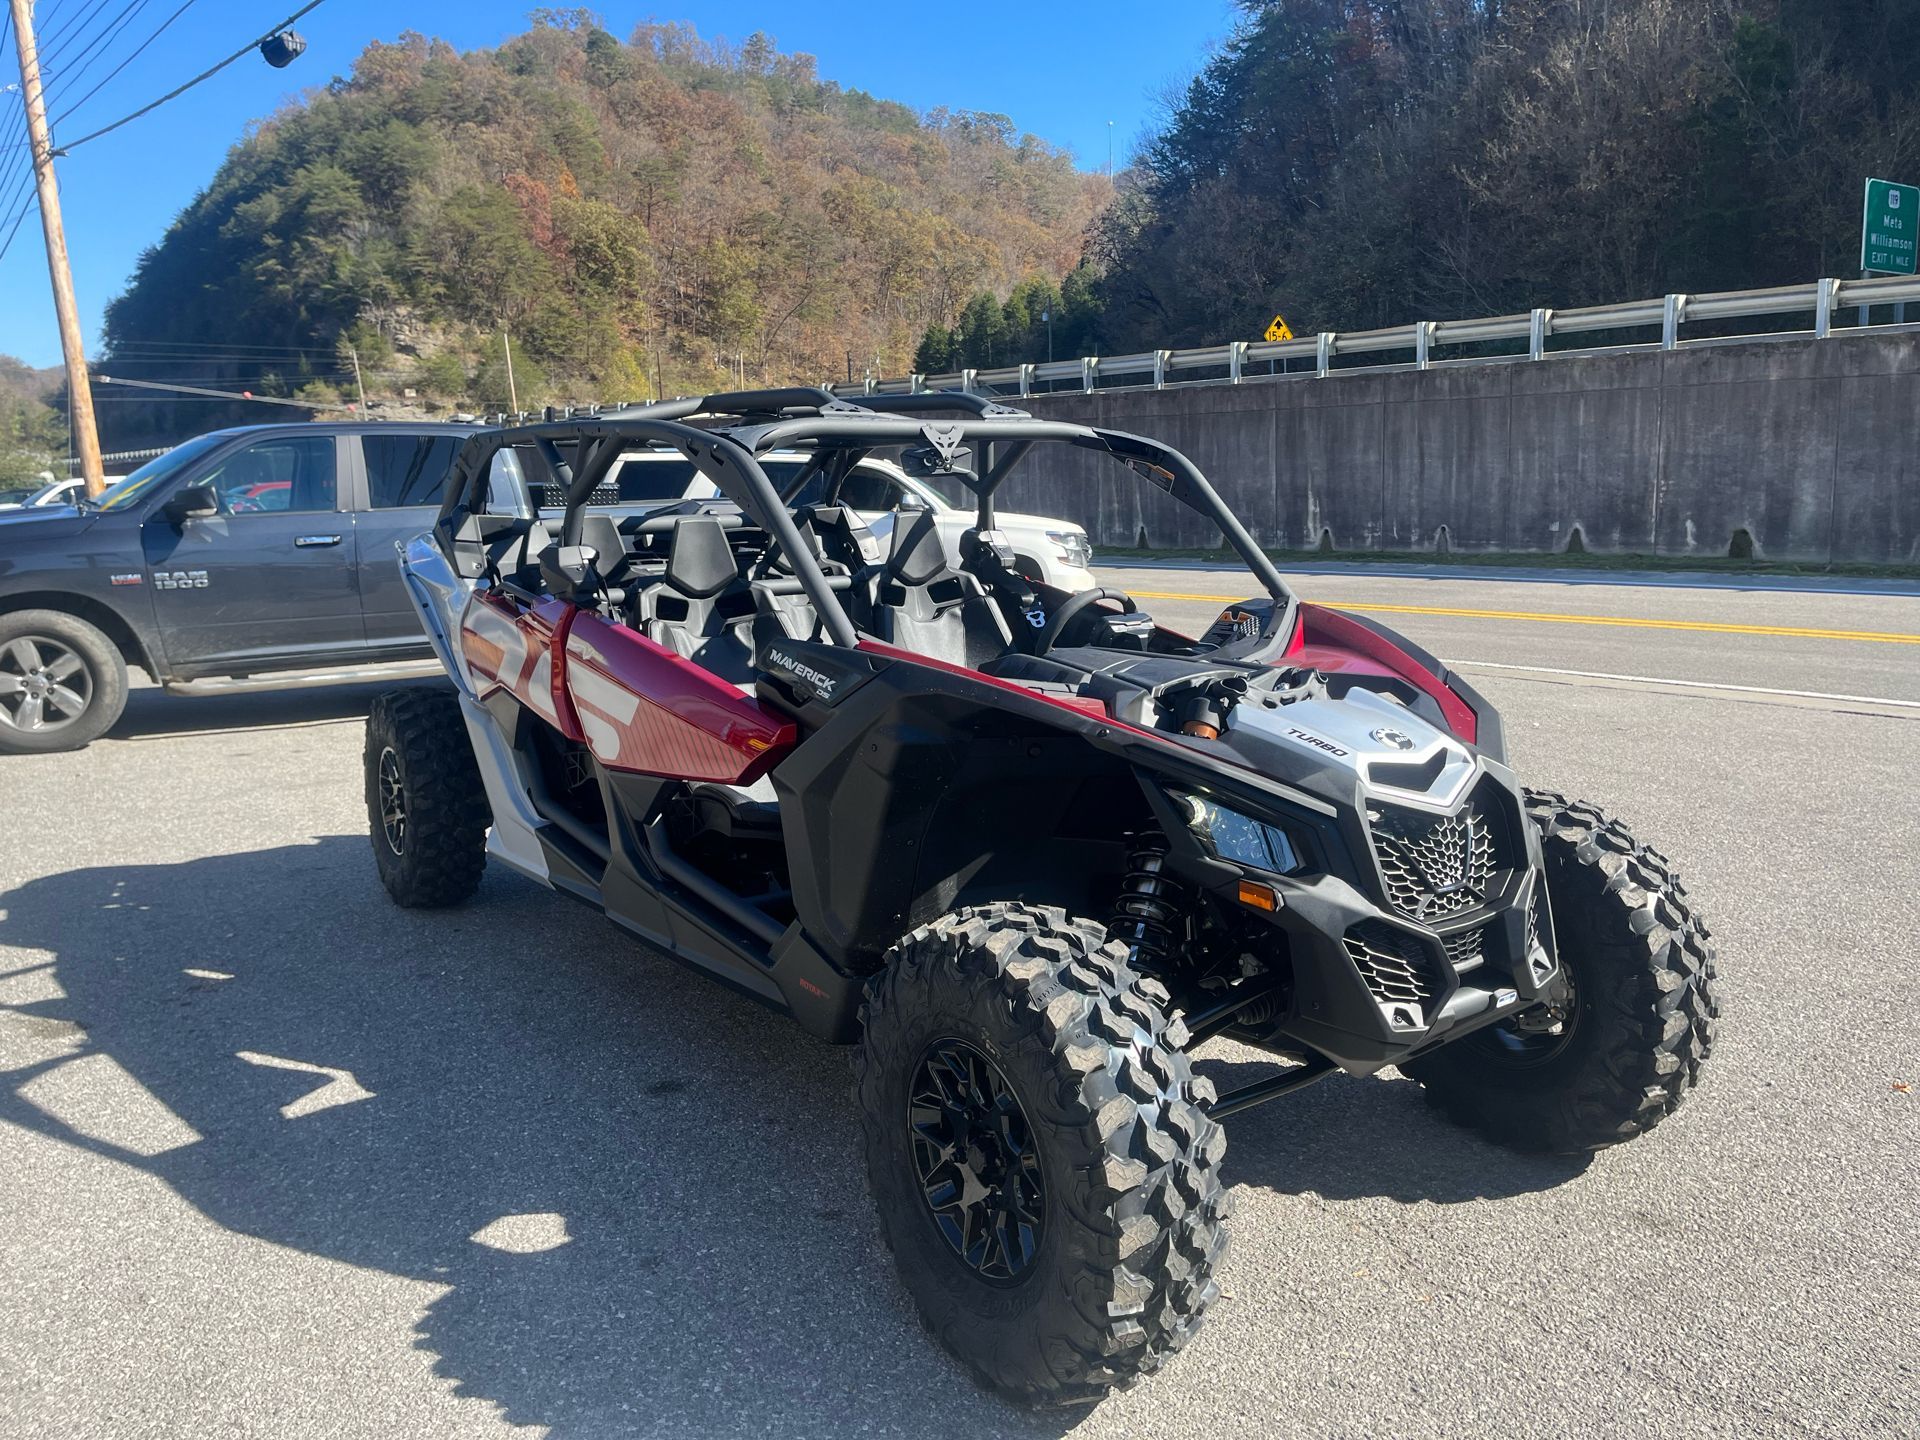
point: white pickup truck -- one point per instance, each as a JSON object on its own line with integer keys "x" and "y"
{"x": 1053, "y": 552}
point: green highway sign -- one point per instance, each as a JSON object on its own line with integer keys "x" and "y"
{"x": 1889, "y": 228}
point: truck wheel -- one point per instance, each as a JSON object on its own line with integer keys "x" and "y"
{"x": 426, "y": 806}
{"x": 62, "y": 682}
{"x": 1038, "y": 1153}
{"x": 1619, "y": 1059}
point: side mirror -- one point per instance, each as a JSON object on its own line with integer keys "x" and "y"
{"x": 912, "y": 500}
{"x": 192, "y": 502}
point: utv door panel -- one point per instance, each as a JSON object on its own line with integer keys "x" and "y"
{"x": 644, "y": 708}
{"x": 509, "y": 646}
{"x": 266, "y": 583}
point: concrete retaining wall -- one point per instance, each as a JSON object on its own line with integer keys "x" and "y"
{"x": 1812, "y": 447}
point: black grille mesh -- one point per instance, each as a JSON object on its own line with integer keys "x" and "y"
{"x": 1465, "y": 950}
{"x": 1434, "y": 866}
{"x": 1397, "y": 968}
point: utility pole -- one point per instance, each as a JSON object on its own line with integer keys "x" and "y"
{"x": 357, "y": 385}
{"x": 79, "y": 389}
{"x": 506, "y": 344}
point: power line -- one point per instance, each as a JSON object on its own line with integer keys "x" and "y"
{"x": 131, "y": 56}
{"x": 218, "y": 394}
{"x": 85, "y": 61}
{"x": 226, "y": 347}
{"x": 61, "y": 37}
{"x": 182, "y": 89}
{"x": 12, "y": 230}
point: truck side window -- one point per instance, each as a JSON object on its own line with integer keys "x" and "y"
{"x": 507, "y": 486}
{"x": 290, "y": 473}
{"x": 870, "y": 490}
{"x": 407, "y": 469}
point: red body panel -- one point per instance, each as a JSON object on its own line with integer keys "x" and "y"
{"x": 513, "y": 648}
{"x": 1329, "y": 641}
{"x": 644, "y": 708}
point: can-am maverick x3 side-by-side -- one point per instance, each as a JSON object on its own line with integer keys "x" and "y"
{"x": 1026, "y": 850}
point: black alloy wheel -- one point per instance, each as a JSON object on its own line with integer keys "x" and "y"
{"x": 427, "y": 812}
{"x": 393, "y": 802}
{"x": 976, "y": 1160}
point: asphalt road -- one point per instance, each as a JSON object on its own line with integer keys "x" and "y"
{"x": 277, "y": 1158}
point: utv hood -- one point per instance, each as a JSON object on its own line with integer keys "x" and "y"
{"x": 1391, "y": 752}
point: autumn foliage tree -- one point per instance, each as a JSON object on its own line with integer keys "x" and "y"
{"x": 662, "y": 214}
{"x": 1361, "y": 163}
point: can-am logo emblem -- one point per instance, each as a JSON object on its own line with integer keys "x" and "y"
{"x": 1394, "y": 738}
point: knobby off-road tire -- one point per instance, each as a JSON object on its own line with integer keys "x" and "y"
{"x": 418, "y": 757}
{"x": 1642, "y": 1022}
{"x": 1128, "y": 1159}
{"x": 62, "y": 682}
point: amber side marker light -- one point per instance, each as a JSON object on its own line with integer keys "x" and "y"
{"x": 1260, "y": 897}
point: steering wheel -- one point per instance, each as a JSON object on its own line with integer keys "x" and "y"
{"x": 1072, "y": 606}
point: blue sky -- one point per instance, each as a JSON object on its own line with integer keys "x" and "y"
{"x": 1061, "y": 70}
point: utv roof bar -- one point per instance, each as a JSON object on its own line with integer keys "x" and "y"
{"x": 1162, "y": 465}
{"x": 598, "y": 443}
{"x": 766, "y": 420}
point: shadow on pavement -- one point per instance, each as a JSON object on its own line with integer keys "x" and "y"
{"x": 675, "y": 1237}
{"x": 1349, "y": 1139}
{"x": 154, "y": 714}
{"x": 673, "y": 1234}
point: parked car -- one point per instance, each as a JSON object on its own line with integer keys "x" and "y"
{"x": 243, "y": 552}
{"x": 56, "y": 493}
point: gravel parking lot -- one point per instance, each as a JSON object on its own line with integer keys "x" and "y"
{"x": 278, "y": 1158}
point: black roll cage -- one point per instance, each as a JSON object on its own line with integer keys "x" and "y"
{"x": 759, "y": 421}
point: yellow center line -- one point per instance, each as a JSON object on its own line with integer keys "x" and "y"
{"x": 1633, "y": 622}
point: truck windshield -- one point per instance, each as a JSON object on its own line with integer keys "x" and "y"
{"x": 156, "y": 473}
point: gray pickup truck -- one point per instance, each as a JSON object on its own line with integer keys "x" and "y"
{"x": 246, "y": 551}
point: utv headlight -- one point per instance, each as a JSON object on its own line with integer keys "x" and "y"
{"x": 1240, "y": 838}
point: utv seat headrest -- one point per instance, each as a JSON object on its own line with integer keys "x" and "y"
{"x": 700, "y": 563}
{"x": 602, "y": 532}
{"x": 918, "y": 556}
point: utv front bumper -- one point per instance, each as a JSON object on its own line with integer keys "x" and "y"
{"x": 1420, "y": 927}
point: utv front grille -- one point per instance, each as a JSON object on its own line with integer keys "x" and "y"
{"x": 1467, "y": 949}
{"x": 1434, "y": 866}
{"x": 1398, "y": 969}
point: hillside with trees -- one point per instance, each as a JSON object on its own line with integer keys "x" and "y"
{"x": 1361, "y": 163}
{"x": 32, "y": 432}
{"x": 666, "y": 214}
{"x": 660, "y": 214}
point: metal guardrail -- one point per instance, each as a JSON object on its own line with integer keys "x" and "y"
{"x": 71, "y": 463}
{"x": 1157, "y": 369}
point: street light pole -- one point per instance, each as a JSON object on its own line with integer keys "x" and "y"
{"x": 86, "y": 436}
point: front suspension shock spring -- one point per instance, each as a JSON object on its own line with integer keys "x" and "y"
{"x": 1150, "y": 906}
